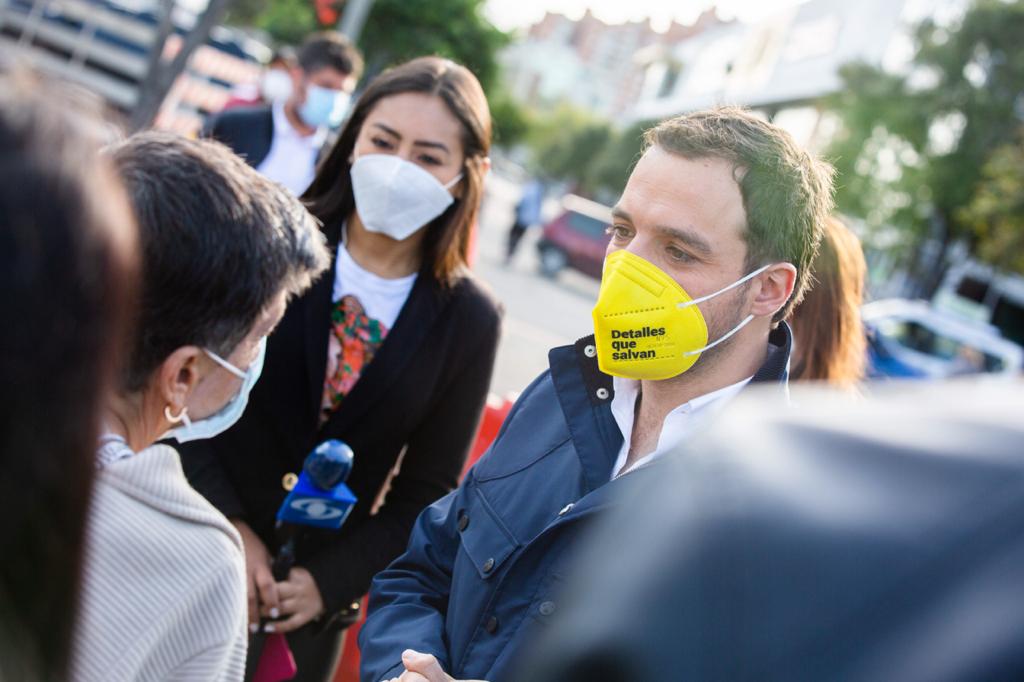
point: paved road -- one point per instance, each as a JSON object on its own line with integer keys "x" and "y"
{"x": 539, "y": 313}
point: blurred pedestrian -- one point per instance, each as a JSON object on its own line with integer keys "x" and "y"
{"x": 711, "y": 243}
{"x": 392, "y": 353}
{"x": 67, "y": 270}
{"x": 283, "y": 138}
{"x": 223, "y": 249}
{"x": 852, "y": 539}
{"x": 527, "y": 213}
{"x": 828, "y": 337}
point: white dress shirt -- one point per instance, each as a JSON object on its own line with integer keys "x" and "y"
{"x": 678, "y": 424}
{"x": 291, "y": 160}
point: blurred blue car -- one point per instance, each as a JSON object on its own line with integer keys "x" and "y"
{"x": 911, "y": 339}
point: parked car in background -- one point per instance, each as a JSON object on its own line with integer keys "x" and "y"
{"x": 911, "y": 339}
{"x": 576, "y": 238}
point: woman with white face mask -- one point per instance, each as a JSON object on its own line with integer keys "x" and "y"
{"x": 392, "y": 353}
{"x": 222, "y": 250}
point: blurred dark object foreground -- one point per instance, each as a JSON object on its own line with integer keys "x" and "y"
{"x": 842, "y": 539}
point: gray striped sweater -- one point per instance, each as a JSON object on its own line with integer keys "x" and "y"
{"x": 163, "y": 591}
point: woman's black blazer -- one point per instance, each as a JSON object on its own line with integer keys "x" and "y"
{"x": 423, "y": 393}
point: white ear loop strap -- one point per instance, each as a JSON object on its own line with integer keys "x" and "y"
{"x": 735, "y": 329}
{"x": 735, "y": 284}
{"x": 225, "y": 364}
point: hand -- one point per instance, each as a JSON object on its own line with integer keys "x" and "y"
{"x": 423, "y": 668}
{"x": 299, "y": 600}
{"x": 259, "y": 581}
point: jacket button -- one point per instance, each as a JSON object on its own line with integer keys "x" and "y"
{"x": 590, "y": 351}
{"x": 547, "y": 608}
{"x": 602, "y": 393}
{"x": 488, "y": 565}
{"x": 463, "y": 521}
{"x": 491, "y": 625}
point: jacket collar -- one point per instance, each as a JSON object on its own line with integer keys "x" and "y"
{"x": 585, "y": 393}
{"x": 400, "y": 347}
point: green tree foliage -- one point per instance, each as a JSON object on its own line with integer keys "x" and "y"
{"x": 617, "y": 159}
{"x": 595, "y": 157}
{"x": 565, "y": 144}
{"x": 996, "y": 211}
{"x": 512, "y": 122}
{"x": 288, "y": 21}
{"x": 395, "y": 31}
{"x": 398, "y": 30}
{"x": 910, "y": 149}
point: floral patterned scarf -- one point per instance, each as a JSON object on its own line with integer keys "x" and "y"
{"x": 354, "y": 340}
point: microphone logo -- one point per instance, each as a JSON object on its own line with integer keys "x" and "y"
{"x": 316, "y": 509}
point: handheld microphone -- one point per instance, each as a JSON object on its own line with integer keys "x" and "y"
{"x": 319, "y": 499}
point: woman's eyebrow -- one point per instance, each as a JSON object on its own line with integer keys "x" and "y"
{"x": 419, "y": 143}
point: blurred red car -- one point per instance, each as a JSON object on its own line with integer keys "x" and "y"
{"x": 576, "y": 238}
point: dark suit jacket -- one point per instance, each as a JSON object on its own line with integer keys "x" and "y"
{"x": 248, "y": 131}
{"x": 423, "y": 393}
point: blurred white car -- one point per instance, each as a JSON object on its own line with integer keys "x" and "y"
{"x": 914, "y": 340}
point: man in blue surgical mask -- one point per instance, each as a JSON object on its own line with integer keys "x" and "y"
{"x": 282, "y": 140}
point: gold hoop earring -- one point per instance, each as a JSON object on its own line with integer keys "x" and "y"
{"x": 172, "y": 418}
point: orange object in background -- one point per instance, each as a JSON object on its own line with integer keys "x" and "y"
{"x": 494, "y": 415}
{"x": 327, "y": 11}
{"x": 495, "y": 412}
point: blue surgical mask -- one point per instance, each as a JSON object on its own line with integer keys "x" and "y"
{"x": 225, "y": 418}
{"x": 320, "y": 102}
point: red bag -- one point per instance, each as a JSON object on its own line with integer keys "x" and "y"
{"x": 276, "y": 661}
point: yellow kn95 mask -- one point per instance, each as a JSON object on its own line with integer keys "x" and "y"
{"x": 645, "y": 325}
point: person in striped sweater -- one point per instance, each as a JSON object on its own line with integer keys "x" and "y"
{"x": 163, "y": 592}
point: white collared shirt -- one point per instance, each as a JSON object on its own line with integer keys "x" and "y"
{"x": 291, "y": 160}
{"x": 678, "y": 424}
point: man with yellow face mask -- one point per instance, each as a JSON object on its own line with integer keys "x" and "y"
{"x": 711, "y": 244}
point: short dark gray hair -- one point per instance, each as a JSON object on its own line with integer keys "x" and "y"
{"x": 219, "y": 243}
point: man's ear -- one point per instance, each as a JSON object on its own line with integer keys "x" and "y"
{"x": 772, "y": 288}
{"x": 177, "y": 377}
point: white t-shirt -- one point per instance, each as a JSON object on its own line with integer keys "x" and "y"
{"x": 291, "y": 160}
{"x": 381, "y": 299}
{"x": 678, "y": 424}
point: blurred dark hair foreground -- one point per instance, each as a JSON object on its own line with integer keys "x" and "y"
{"x": 67, "y": 273}
{"x": 847, "y": 539}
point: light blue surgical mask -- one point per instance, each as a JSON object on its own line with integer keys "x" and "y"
{"x": 320, "y": 102}
{"x": 225, "y": 418}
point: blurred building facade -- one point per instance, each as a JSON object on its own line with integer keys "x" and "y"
{"x": 586, "y": 62}
{"x": 784, "y": 64}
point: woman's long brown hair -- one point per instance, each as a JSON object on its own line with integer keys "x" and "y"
{"x": 829, "y": 335}
{"x": 446, "y": 246}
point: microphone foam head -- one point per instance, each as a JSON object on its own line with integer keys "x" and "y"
{"x": 329, "y": 464}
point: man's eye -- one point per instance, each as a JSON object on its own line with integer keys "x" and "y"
{"x": 679, "y": 255}
{"x": 617, "y": 232}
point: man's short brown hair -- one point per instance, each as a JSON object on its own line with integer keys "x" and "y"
{"x": 787, "y": 192}
{"x": 330, "y": 50}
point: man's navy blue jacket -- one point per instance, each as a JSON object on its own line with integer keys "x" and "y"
{"x": 483, "y": 568}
